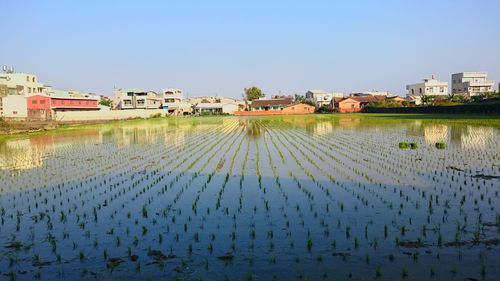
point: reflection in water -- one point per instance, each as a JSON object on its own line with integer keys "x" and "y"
{"x": 30, "y": 151}
{"x": 476, "y": 137}
{"x": 251, "y": 127}
{"x": 436, "y": 133}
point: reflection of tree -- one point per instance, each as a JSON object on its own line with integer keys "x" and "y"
{"x": 252, "y": 128}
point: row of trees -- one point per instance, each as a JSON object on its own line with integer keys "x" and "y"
{"x": 253, "y": 93}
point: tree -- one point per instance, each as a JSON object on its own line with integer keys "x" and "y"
{"x": 323, "y": 109}
{"x": 253, "y": 93}
{"x": 106, "y": 101}
{"x": 205, "y": 101}
{"x": 309, "y": 102}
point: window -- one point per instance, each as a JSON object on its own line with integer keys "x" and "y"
{"x": 14, "y": 112}
{"x": 27, "y": 78}
{"x": 33, "y": 79}
{"x": 127, "y": 102}
{"x": 34, "y": 102}
{"x": 42, "y": 102}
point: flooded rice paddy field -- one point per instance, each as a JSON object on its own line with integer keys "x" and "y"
{"x": 271, "y": 198}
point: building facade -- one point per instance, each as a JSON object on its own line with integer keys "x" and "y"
{"x": 471, "y": 83}
{"x": 428, "y": 87}
{"x": 136, "y": 99}
{"x": 320, "y": 97}
{"x": 171, "y": 97}
{"x": 353, "y": 104}
{"x": 269, "y": 104}
{"x": 14, "y": 106}
{"x": 215, "y": 108}
{"x": 17, "y": 83}
{"x": 44, "y": 107}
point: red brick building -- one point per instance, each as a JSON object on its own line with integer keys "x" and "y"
{"x": 46, "y": 107}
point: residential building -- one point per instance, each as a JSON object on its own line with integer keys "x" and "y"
{"x": 353, "y": 104}
{"x": 377, "y": 93}
{"x": 14, "y": 106}
{"x": 281, "y": 109}
{"x": 269, "y": 104}
{"x": 172, "y": 101}
{"x": 136, "y": 99}
{"x": 321, "y": 97}
{"x": 18, "y": 83}
{"x": 171, "y": 96}
{"x": 45, "y": 107}
{"x": 428, "y": 87}
{"x": 216, "y": 108}
{"x": 298, "y": 108}
{"x": 471, "y": 83}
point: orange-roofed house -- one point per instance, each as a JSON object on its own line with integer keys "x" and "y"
{"x": 353, "y": 104}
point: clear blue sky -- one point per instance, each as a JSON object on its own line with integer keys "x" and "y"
{"x": 209, "y": 47}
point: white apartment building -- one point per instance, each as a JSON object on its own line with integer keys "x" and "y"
{"x": 136, "y": 99}
{"x": 321, "y": 97}
{"x": 171, "y": 97}
{"x": 20, "y": 84}
{"x": 17, "y": 83}
{"x": 428, "y": 87}
{"x": 470, "y": 83}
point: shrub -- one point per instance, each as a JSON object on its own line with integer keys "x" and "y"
{"x": 3, "y": 123}
{"x": 440, "y": 145}
{"x": 403, "y": 145}
{"x": 413, "y": 145}
{"x": 157, "y": 115}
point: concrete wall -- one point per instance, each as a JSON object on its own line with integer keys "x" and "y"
{"x": 107, "y": 115}
{"x": 14, "y": 106}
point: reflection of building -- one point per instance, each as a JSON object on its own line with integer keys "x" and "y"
{"x": 477, "y": 137}
{"x": 436, "y": 133}
{"x": 21, "y": 154}
{"x": 471, "y": 83}
{"x": 323, "y": 128}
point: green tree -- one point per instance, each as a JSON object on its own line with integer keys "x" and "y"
{"x": 253, "y": 93}
{"x": 205, "y": 101}
{"x": 106, "y": 102}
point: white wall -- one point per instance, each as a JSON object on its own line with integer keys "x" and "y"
{"x": 107, "y": 115}
{"x": 15, "y": 106}
{"x": 229, "y": 108}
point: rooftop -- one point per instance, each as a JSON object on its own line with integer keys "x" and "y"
{"x": 271, "y": 102}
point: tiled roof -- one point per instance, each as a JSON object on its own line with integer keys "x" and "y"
{"x": 272, "y": 102}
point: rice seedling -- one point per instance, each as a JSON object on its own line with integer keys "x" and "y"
{"x": 209, "y": 184}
